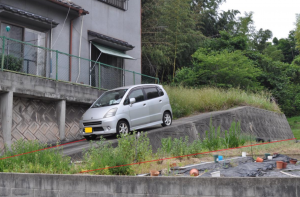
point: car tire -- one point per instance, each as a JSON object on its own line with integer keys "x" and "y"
{"x": 90, "y": 137}
{"x": 167, "y": 119}
{"x": 122, "y": 127}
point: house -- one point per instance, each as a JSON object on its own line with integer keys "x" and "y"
{"x": 58, "y": 41}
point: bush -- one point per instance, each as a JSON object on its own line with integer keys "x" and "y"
{"x": 12, "y": 63}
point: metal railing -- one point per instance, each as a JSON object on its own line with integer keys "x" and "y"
{"x": 29, "y": 59}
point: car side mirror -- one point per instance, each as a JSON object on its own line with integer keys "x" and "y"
{"x": 132, "y": 100}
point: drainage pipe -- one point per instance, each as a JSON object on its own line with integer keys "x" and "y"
{"x": 70, "y": 44}
{"x": 80, "y": 41}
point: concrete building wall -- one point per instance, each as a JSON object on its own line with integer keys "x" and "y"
{"x": 1, "y": 131}
{"x": 102, "y": 18}
{"x": 33, "y": 185}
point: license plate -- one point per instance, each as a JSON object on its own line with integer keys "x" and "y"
{"x": 88, "y": 130}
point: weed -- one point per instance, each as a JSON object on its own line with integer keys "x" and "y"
{"x": 47, "y": 161}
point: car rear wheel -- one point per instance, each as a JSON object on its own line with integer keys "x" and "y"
{"x": 122, "y": 127}
{"x": 167, "y": 119}
{"x": 90, "y": 137}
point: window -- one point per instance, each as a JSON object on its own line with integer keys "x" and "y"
{"x": 121, "y": 4}
{"x": 110, "y": 78}
{"x": 151, "y": 93}
{"x": 137, "y": 94}
{"x": 33, "y": 58}
{"x": 160, "y": 91}
{"x": 110, "y": 98}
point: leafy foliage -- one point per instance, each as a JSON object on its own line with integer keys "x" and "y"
{"x": 12, "y": 63}
{"x": 221, "y": 69}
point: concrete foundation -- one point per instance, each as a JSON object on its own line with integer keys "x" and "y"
{"x": 33, "y": 185}
{"x": 41, "y": 109}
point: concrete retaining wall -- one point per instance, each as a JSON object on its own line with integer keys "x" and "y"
{"x": 33, "y": 185}
{"x": 265, "y": 124}
{"x": 33, "y": 108}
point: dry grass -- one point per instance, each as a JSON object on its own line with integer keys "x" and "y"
{"x": 187, "y": 101}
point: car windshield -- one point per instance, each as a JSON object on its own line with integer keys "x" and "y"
{"x": 110, "y": 98}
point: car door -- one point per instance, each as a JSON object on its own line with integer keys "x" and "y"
{"x": 154, "y": 102}
{"x": 138, "y": 111}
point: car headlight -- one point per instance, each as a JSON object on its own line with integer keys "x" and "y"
{"x": 111, "y": 113}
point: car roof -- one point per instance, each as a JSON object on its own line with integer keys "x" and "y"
{"x": 133, "y": 86}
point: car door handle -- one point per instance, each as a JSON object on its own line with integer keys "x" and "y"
{"x": 144, "y": 104}
{"x": 160, "y": 101}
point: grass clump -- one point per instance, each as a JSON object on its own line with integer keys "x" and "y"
{"x": 48, "y": 161}
{"x": 130, "y": 149}
{"x": 187, "y": 101}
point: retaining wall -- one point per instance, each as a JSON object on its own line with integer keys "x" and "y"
{"x": 255, "y": 122}
{"x": 33, "y": 108}
{"x": 33, "y": 185}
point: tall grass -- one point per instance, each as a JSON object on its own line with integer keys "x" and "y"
{"x": 47, "y": 161}
{"x": 295, "y": 126}
{"x": 187, "y": 101}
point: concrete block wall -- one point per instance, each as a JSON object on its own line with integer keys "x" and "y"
{"x": 32, "y": 108}
{"x": 33, "y": 185}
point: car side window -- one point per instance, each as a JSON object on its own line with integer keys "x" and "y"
{"x": 151, "y": 93}
{"x": 137, "y": 94}
{"x": 160, "y": 91}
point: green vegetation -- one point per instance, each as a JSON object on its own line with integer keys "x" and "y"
{"x": 47, "y": 161}
{"x": 295, "y": 126}
{"x": 132, "y": 148}
{"x": 12, "y": 63}
{"x": 208, "y": 47}
{"x": 187, "y": 101}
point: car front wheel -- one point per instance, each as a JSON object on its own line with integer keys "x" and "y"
{"x": 122, "y": 127}
{"x": 167, "y": 119}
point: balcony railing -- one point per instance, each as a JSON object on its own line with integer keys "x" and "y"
{"x": 26, "y": 58}
{"x": 121, "y": 4}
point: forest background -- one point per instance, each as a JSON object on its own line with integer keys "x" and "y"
{"x": 193, "y": 44}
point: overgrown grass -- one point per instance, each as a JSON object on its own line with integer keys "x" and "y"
{"x": 188, "y": 101}
{"x": 48, "y": 161}
{"x": 295, "y": 126}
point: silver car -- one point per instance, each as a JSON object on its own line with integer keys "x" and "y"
{"x": 126, "y": 109}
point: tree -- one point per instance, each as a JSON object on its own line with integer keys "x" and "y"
{"x": 260, "y": 39}
{"x": 297, "y": 32}
{"x": 222, "y": 69}
{"x": 169, "y": 35}
{"x": 274, "y": 53}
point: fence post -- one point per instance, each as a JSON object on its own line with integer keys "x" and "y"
{"x": 157, "y": 80}
{"x": 3, "y": 51}
{"x": 133, "y": 77}
{"x": 99, "y": 73}
{"x": 56, "y": 65}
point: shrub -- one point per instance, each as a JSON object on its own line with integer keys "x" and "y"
{"x": 12, "y": 63}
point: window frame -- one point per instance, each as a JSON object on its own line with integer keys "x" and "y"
{"x": 146, "y": 87}
{"x": 127, "y": 97}
{"x": 111, "y": 4}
